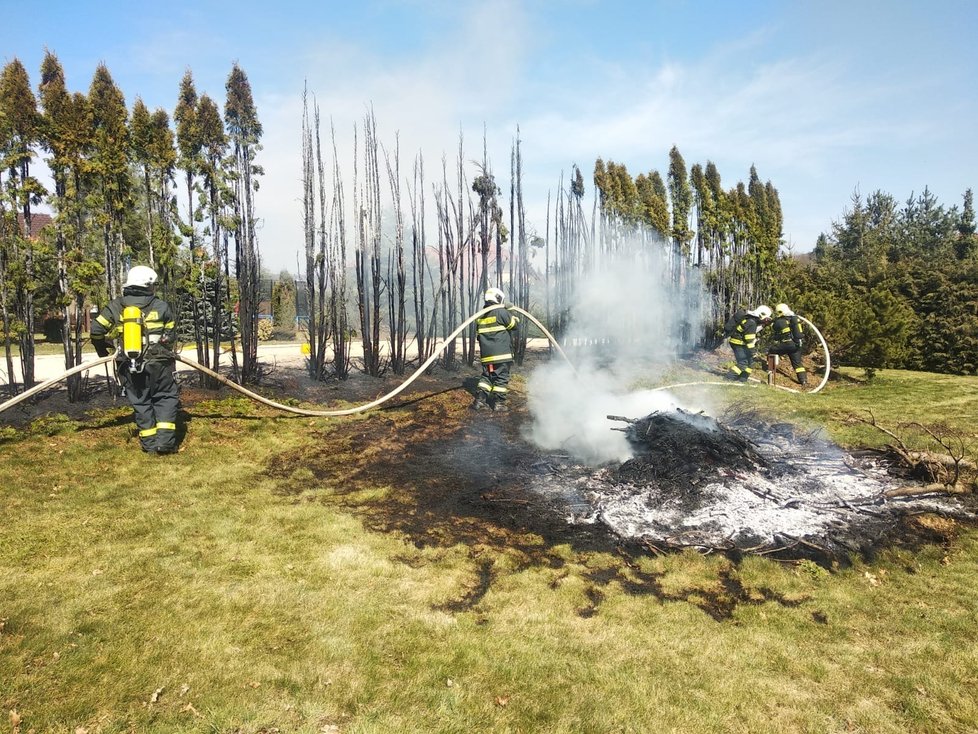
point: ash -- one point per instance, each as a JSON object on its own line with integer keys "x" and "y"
{"x": 747, "y": 486}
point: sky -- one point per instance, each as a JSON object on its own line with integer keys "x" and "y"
{"x": 824, "y": 97}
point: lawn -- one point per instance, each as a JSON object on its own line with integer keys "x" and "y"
{"x": 277, "y": 575}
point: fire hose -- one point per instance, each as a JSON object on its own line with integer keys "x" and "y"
{"x": 825, "y": 377}
{"x": 384, "y": 398}
{"x": 289, "y": 408}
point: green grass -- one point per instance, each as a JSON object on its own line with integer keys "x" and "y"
{"x": 186, "y": 594}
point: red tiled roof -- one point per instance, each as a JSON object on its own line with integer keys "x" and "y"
{"x": 38, "y": 222}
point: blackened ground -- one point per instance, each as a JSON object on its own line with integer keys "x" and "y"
{"x": 451, "y": 476}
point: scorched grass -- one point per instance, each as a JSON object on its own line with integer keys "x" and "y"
{"x": 189, "y": 594}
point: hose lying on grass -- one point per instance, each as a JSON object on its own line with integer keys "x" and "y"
{"x": 384, "y": 398}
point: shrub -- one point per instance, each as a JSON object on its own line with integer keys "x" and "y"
{"x": 53, "y": 329}
{"x": 264, "y": 330}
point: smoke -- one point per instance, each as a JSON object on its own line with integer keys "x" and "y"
{"x": 629, "y": 319}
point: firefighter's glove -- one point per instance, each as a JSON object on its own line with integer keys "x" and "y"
{"x": 101, "y": 348}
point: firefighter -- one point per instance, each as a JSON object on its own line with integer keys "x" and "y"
{"x": 494, "y": 330}
{"x": 741, "y": 331}
{"x": 144, "y": 362}
{"x": 787, "y": 338}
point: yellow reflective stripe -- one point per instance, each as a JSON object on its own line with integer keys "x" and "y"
{"x": 483, "y": 385}
{"x": 737, "y": 341}
{"x": 170, "y": 325}
{"x": 162, "y": 425}
{"x": 513, "y": 324}
{"x": 104, "y": 321}
{"x": 490, "y": 329}
{"x": 799, "y": 369}
{"x": 147, "y": 432}
{"x": 497, "y": 358}
{"x": 153, "y": 324}
{"x": 500, "y": 389}
{"x": 487, "y": 320}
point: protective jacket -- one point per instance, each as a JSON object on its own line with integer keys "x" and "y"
{"x": 494, "y": 330}
{"x": 741, "y": 329}
{"x": 787, "y": 329}
{"x": 787, "y": 340}
{"x": 158, "y": 321}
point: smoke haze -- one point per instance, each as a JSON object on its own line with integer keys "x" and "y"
{"x": 627, "y": 320}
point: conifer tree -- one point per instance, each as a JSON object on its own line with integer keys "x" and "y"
{"x": 189, "y": 144}
{"x": 21, "y": 192}
{"x": 244, "y": 134}
{"x": 213, "y": 148}
{"x": 65, "y": 128}
{"x": 682, "y": 202}
{"x": 966, "y": 244}
{"x": 109, "y": 164}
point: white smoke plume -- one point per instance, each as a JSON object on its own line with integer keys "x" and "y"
{"x": 628, "y": 318}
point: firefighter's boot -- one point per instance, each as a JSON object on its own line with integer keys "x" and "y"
{"x": 802, "y": 378}
{"x": 481, "y": 401}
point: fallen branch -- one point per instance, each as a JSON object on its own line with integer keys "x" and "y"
{"x": 933, "y": 488}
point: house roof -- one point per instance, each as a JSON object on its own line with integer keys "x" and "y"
{"x": 38, "y": 222}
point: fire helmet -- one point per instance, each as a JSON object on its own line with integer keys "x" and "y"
{"x": 494, "y": 295}
{"x": 782, "y": 309}
{"x": 140, "y": 275}
{"x": 761, "y": 312}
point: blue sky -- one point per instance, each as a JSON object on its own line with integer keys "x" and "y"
{"x": 824, "y": 97}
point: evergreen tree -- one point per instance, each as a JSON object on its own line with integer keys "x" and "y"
{"x": 244, "y": 133}
{"x": 21, "y": 192}
{"x": 681, "y": 196}
{"x": 109, "y": 165}
{"x": 966, "y": 244}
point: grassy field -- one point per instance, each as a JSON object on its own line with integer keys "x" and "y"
{"x": 194, "y": 593}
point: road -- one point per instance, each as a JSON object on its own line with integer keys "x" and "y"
{"x": 279, "y": 354}
{"x": 47, "y": 366}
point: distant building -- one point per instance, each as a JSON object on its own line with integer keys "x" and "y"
{"x": 38, "y": 222}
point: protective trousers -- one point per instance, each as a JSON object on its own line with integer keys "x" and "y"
{"x": 794, "y": 354}
{"x": 494, "y": 381}
{"x": 745, "y": 358}
{"x": 155, "y": 400}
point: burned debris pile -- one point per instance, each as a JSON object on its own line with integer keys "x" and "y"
{"x": 744, "y": 485}
{"x": 682, "y": 447}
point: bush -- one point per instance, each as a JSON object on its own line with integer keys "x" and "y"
{"x": 53, "y": 329}
{"x": 264, "y": 330}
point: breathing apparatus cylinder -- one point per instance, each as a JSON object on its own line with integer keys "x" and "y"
{"x": 133, "y": 342}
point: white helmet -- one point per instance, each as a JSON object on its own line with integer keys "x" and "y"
{"x": 761, "y": 312}
{"x": 494, "y": 295}
{"x": 782, "y": 309}
{"x": 140, "y": 275}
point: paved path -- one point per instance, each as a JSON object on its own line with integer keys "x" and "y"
{"x": 47, "y": 366}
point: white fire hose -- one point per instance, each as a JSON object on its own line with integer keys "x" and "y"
{"x": 383, "y": 399}
{"x": 288, "y": 408}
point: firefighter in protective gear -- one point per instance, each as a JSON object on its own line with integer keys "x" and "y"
{"x": 741, "y": 331}
{"x": 144, "y": 362}
{"x": 494, "y": 330}
{"x": 787, "y": 338}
